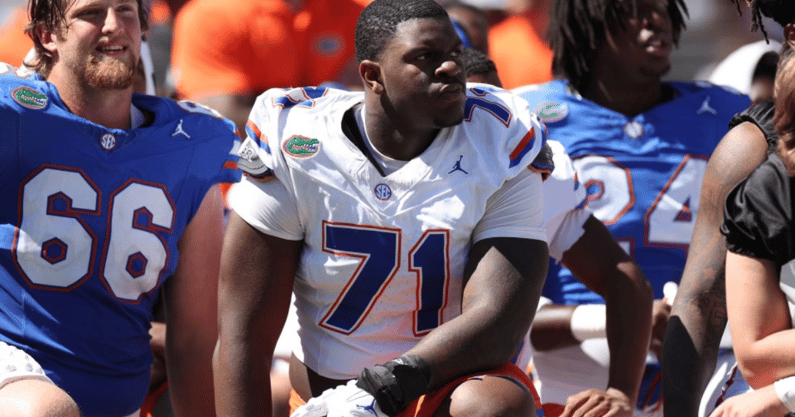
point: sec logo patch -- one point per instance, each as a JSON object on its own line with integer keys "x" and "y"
{"x": 633, "y": 129}
{"x": 382, "y": 192}
{"x": 107, "y": 141}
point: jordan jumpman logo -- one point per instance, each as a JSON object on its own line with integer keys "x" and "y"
{"x": 457, "y": 166}
{"x": 180, "y": 131}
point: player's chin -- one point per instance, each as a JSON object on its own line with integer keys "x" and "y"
{"x": 450, "y": 116}
{"x": 657, "y": 67}
{"x": 112, "y": 75}
{"x": 448, "y": 120}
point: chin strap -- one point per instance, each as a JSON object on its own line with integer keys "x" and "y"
{"x": 396, "y": 383}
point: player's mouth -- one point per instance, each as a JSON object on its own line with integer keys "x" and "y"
{"x": 659, "y": 45}
{"x": 112, "y": 49}
{"x": 452, "y": 92}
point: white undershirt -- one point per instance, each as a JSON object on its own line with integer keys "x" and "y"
{"x": 137, "y": 117}
{"x": 387, "y": 164}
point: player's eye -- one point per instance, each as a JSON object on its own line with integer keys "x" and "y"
{"x": 127, "y": 9}
{"x": 89, "y": 13}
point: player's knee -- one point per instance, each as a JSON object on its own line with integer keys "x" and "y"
{"x": 492, "y": 396}
{"x": 34, "y": 398}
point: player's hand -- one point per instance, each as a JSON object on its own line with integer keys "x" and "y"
{"x": 759, "y": 403}
{"x": 659, "y": 322}
{"x": 343, "y": 401}
{"x": 596, "y": 403}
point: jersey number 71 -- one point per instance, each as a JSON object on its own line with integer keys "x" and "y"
{"x": 379, "y": 250}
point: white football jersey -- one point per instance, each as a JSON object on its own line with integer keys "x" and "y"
{"x": 565, "y": 203}
{"x": 383, "y": 256}
{"x": 565, "y": 213}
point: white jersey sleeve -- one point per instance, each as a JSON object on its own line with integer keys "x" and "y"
{"x": 513, "y": 209}
{"x": 266, "y": 206}
{"x": 565, "y": 203}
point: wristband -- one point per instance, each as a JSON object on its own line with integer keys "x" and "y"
{"x": 588, "y": 322}
{"x": 396, "y": 383}
{"x": 785, "y": 390}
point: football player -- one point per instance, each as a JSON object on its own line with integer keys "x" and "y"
{"x": 108, "y": 196}
{"x": 407, "y": 223}
{"x": 640, "y": 148}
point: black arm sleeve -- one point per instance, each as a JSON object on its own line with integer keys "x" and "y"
{"x": 758, "y": 214}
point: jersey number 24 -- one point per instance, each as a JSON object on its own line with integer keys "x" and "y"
{"x": 670, "y": 218}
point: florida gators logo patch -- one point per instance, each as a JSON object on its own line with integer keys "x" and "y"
{"x": 551, "y": 112}
{"x": 30, "y": 98}
{"x": 301, "y": 146}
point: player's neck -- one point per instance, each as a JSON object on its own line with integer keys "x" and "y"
{"x": 622, "y": 97}
{"x": 105, "y": 107}
{"x": 403, "y": 144}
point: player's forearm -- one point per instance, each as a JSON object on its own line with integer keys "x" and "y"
{"x": 242, "y": 363}
{"x": 628, "y": 304}
{"x": 691, "y": 344}
{"x": 190, "y": 378}
{"x": 498, "y": 307}
{"x": 698, "y": 315}
{"x": 461, "y": 347}
{"x": 242, "y": 381}
{"x": 552, "y": 328}
{"x": 686, "y": 370}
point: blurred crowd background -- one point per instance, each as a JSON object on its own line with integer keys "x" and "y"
{"x": 715, "y": 29}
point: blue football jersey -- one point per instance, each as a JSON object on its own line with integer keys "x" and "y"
{"x": 642, "y": 174}
{"x": 89, "y": 224}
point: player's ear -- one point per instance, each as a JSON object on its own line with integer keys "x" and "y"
{"x": 46, "y": 37}
{"x": 370, "y": 72}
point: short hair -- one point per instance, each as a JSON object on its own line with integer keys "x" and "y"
{"x": 51, "y": 15}
{"x": 578, "y": 28}
{"x": 476, "y": 62}
{"x": 781, "y": 11}
{"x": 379, "y": 20}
